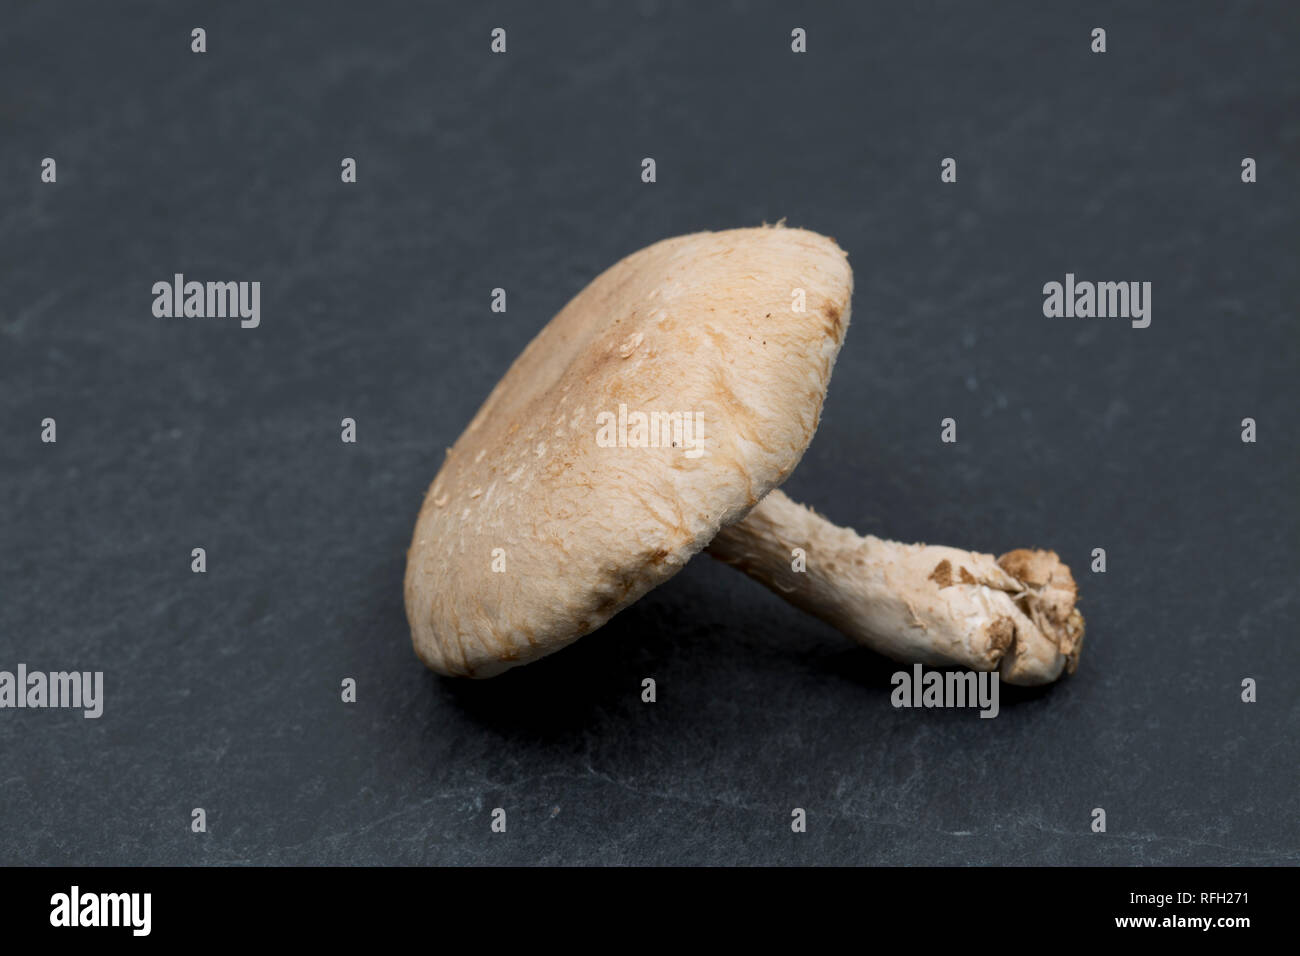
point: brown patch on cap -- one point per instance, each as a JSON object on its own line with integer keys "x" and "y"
{"x": 942, "y": 574}
{"x": 966, "y": 576}
{"x": 835, "y": 314}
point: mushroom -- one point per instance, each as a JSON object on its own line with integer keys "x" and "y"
{"x": 652, "y": 418}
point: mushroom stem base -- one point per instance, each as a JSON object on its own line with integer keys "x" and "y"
{"x": 915, "y": 603}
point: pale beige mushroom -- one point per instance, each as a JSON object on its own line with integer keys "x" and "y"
{"x": 540, "y": 526}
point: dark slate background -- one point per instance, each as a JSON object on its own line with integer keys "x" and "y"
{"x": 522, "y": 171}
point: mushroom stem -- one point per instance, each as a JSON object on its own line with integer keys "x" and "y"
{"x": 915, "y": 603}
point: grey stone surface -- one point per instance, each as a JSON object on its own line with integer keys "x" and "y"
{"x": 522, "y": 171}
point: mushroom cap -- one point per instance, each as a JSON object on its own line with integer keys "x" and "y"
{"x": 548, "y": 518}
